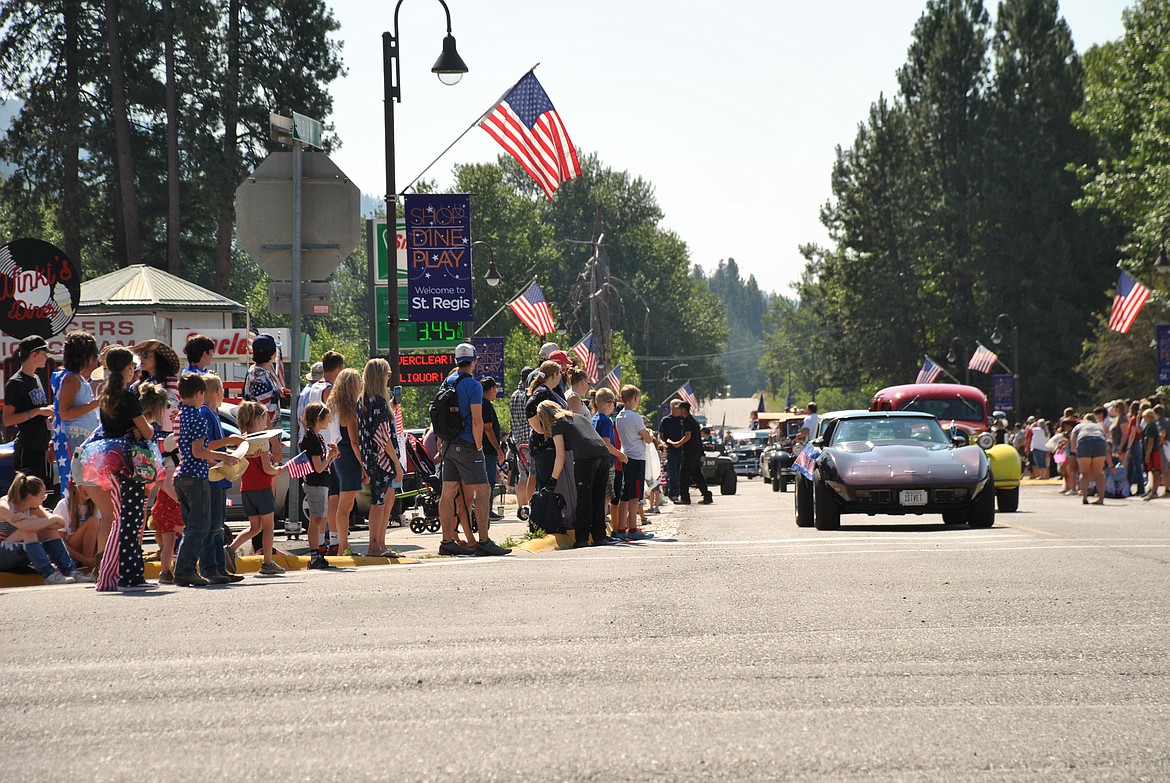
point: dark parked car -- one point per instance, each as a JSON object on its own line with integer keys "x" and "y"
{"x": 893, "y": 463}
{"x": 776, "y": 460}
{"x": 719, "y": 469}
{"x": 746, "y": 448}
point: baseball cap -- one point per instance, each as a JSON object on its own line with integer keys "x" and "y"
{"x": 560, "y": 357}
{"x": 263, "y": 343}
{"x": 487, "y": 382}
{"x": 465, "y": 353}
{"x": 525, "y": 374}
{"x": 1031, "y": 419}
{"x": 684, "y": 404}
{"x": 316, "y": 372}
{"x": 547, "y": 349}
{"x": 676, "y": 402}
{"x": 32, "y": 343}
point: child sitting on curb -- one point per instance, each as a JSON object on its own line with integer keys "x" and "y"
{"x": 26, "y": 525}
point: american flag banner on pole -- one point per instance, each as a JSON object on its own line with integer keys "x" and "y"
{"x": 300, "y": 466}
{"x": 687, "y": 394}
{"x": 526, "y": 124}
{"x": 929, "y": 372}
{"x": 1127, "y": 303}
{"x": 584, "y": 351}
{"x": 532, "y": 309}
{"x": 613, "y": 378}
{"x": 982, "y": 360}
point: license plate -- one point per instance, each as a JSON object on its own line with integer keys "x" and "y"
{"x": 912, "y": 497}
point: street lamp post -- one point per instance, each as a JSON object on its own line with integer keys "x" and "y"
{"x": 492, "y": 276}
{"x": 958, "y": 351}
{"x": 450, "y": 69}
{"x": 1001, "y": 322}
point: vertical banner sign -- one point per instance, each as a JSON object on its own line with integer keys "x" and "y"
{"x": 491, "y": 358}
{"x": 1003, "y": 392}
{"x": 438, "y": 256}
{"x": 1163, "y": 354}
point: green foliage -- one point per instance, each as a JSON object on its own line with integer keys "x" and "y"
{"x": 953, "y": 205}
{"x": 744, "y": 305}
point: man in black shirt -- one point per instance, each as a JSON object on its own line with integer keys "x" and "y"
{"x": 670, "y": 432}
{"x": 28, "y": 405}
{"x": 492, "y": 452}
{"x": 692, "y": 460}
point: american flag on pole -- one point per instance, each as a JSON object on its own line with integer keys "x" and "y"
{"x": 929, "y": 372}
{"x": 613, "y": 378}
{"x": 531, "y": 308}
{"x": 1127, "y": 303}
{"x": 982, "y": 360}
{"x": 300, "y": 466}
{"x": 584, "y": 351}
{"x": 526, "y": 124}
{"x": 687, "y": 394}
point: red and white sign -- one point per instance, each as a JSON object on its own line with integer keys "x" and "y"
{"x": 230, "y": 344}
{"x": 106, "y": 329}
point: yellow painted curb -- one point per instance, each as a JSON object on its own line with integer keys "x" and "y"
{"x": 550, "y": 543}
{"x": 20, "y": 580}
{"x": 1041, "y": 482}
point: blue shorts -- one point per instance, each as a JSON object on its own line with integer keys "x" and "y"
{"x": 1087, "y": 448}
{"x": 1039, "y": 459}
{"x": 633, "y": 479}
{"x": 258, "y": 502}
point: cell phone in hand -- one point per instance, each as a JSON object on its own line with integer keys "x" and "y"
{"x": 396, "y": 395}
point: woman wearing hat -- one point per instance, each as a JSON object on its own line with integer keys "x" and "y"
{"x": 27, "y": 407}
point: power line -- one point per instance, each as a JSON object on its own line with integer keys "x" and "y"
{"x": 753, "y": 347}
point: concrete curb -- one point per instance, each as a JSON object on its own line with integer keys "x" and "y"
{"x": 244, "y": 565}
{"x": 556, "y": 541}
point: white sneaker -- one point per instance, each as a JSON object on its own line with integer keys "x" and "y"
{"x": 80, "y": 577}
{"x": 56, "y": 578}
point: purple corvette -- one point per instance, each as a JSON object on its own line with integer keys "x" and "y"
{"x": 900, "y": 463}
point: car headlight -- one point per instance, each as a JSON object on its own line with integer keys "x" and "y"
{"x": 985, "y": 440}
{"x": 734, "y": 457}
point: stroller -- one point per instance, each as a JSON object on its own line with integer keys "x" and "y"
{"x": 420, "y": 490}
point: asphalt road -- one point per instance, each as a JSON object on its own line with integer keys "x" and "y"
{"x": 737, "y": 647}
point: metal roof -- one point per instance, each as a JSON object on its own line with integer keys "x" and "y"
{"x": 142, "y": 288}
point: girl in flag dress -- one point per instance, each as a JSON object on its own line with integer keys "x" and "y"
{"x": 256, "y": 489}
{"x": 378, "y": 441}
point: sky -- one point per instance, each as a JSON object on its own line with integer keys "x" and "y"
{"x": 731, "y": 110}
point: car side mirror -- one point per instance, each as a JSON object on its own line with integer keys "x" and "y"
{"x": 818, "y": 442}
{"x": 959, "y": 441}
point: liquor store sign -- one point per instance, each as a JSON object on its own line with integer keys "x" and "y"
{"x": 425, "y": 368}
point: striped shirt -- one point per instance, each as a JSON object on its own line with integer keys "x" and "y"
{"x": 521, "y": 429}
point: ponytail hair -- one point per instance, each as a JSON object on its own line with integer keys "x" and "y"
{"x": 24, "y": 487}
{"x": 313, "y": 413}
{"x": 153, "y": 399}
{"x": 116, "y": 359}
{"x": 543, "y": 372}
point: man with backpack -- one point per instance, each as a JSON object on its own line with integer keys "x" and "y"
{"x": 457, "y": 418}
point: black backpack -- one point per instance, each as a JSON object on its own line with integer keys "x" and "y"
{"x": 445, "y": 418}
{"x": 547, "y": 512}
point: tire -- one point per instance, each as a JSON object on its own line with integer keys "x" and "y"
{"x": 982, "y": 513}
{"x": 954, "y": 517}
{"x": 828, "y": 512}
{"x": 783, "y": 483}
{"x": 1008, "y": 500}
{"x": 776, "y": 484}
{"x": 804, "y": 502}
{"x": 727, "y": 484}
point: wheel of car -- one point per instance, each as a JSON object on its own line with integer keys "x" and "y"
{"x": 982, "y": 513}
{"x": 954, "y": 517}
{"x": 828, "y": 513}
{"x": 1008, "y": 500}
{"x": 783, "y": 483}
{"x": 776, "y": 484}
{"x": 804, "y": 502}
{"x": 727, "y": 484}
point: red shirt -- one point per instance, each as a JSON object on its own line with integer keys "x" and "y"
{"x": 255, "y": 477}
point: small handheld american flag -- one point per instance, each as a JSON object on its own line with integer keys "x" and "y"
{"x": 300, "y": 466}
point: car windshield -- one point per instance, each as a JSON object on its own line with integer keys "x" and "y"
{"x": 890, "y": 430}
{"x": 750, "y": 437}
{"x": 956, "y": 407}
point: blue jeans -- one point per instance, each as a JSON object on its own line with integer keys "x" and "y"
{"x": 491, "y": 463}
{"x": 212, "y": 560}
{"x": 1135, "y": 469}
{"x": 674, "y": 459}
{"x": 195, "y": 506}
{"x": 44, "y": 555}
